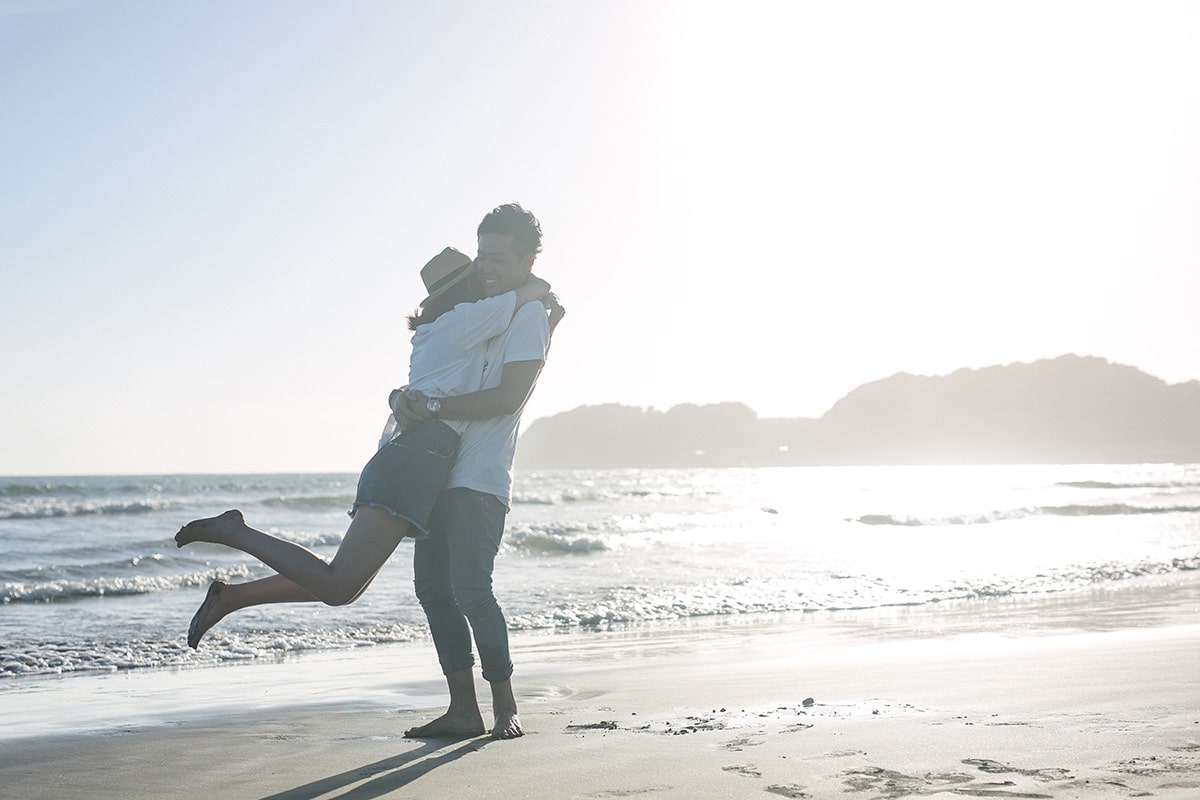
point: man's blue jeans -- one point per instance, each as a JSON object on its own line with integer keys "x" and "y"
{"x": 452, "y": 572}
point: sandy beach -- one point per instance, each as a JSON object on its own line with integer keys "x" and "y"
{"x": 1086, "y": 694}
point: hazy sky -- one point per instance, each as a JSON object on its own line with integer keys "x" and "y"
{"x": 212, "y": 215}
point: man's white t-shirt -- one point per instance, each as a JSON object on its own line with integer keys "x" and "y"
{"x": 488, "y": 446}
{"x": 449, "y": 354}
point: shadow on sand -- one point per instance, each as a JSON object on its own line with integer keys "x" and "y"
{"x": 393, "y": 773}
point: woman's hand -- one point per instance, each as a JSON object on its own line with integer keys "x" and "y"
{"x": 557, "y": 312}
{"x": 396, "y": 398}
{"x": 409, "y": 408}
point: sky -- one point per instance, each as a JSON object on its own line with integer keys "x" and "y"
{"x": 213, "y": 215}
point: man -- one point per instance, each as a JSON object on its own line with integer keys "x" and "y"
{"x": 453, "y": 567}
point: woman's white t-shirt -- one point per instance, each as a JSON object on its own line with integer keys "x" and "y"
{"x": 448, "y": 354}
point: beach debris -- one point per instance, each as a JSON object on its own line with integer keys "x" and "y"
{"x": 724, "y": 718}
{"x": 696, "y": 725}
{"x": 602, "y": 725}
{"x": 747, "y": 770}
{"x": 808, "y": 702}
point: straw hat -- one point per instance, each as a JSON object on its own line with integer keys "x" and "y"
{"x": 443, "y": 271}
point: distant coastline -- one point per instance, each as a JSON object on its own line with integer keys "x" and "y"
{"x": 1070, "y": 409}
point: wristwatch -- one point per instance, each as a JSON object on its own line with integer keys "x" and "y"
{"x": 433, "y": 406}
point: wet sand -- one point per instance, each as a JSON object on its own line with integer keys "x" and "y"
{"x": 1091, "y": 694}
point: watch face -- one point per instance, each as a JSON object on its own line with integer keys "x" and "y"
{"x": 434, "y": 405}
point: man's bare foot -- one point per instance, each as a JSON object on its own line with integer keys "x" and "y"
{"x": 508, "y": 726}
{"x": 449, "y": 726}
{"x": 504, "y": 711}
{"x": 210, "y": 613}
{"x": 215, "y": 530}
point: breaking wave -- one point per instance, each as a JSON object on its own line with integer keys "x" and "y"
{"x": 1129, "y": 485}
{"x": 1108, "y": 510}
{"x": 45, "y": 589}
{"x": 21, "y": 659}
{"x": 35, "y": 510}
{"x": 626, "y": 605}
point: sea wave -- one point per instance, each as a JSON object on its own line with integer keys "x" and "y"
{"x": 21, "y": 659}
{"x": 599, "y": 495}
{"x": 983, "y": 518}
{"x": 43, "y": 589}
{"x": 43, "y": 487}
{"x": 531, "y": 499}
{"x": 547, "y": 543}
{"x": 39, "y": 489}
{"x": 550, "y": 538}
{"x": 60, "y": 508}
{"x": 554, "y": 498}
{"x": 342, "y": 501}
{"x": 1128, "y": 485}
{"x": 628, "y": 605}
{"x": 80, "y": 572}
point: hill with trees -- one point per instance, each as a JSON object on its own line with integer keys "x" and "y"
{"x": 1070, "y": 409}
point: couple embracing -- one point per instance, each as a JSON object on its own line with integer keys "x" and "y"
{"x": 444, "y": 478}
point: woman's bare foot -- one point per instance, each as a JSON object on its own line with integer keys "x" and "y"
{"x": 449, "y": 726}
{"x": 508, "y": 726}
{"x": 211, "y": 612}
{"x": 214, "y": 530}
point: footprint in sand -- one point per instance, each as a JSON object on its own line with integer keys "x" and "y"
{"x": 891, "y": 784}
{"x": 996, "y": 768}
{"x": 742, "y": 742}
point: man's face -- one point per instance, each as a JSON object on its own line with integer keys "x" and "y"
{"x": 498, "y": 264}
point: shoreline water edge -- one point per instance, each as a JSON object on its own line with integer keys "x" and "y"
{"x": 397, "y": 675}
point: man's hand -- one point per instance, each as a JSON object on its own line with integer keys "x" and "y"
{"x": 404, "y": 407}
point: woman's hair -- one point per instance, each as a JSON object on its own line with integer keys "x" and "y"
{"x": 467, "y": 290}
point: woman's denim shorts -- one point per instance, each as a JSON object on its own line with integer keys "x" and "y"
{"x": 407, "y": 474}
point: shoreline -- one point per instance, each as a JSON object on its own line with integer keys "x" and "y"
{"x": 1090, "y": 695}
{"x": 404, "y": 675}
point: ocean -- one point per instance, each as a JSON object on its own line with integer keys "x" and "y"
{"x": 91, "y": 580}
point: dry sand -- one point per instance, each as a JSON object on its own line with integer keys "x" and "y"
{"x": 1093, "y": 694}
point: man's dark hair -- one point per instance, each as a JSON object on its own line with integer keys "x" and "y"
{"x": 522, "y": 225}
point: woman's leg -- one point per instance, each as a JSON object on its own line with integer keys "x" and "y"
{"x": 225, "y": 598}
{"x": 371, "y": 538}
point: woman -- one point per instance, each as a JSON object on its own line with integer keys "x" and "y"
{"x": 398, "y": 486}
